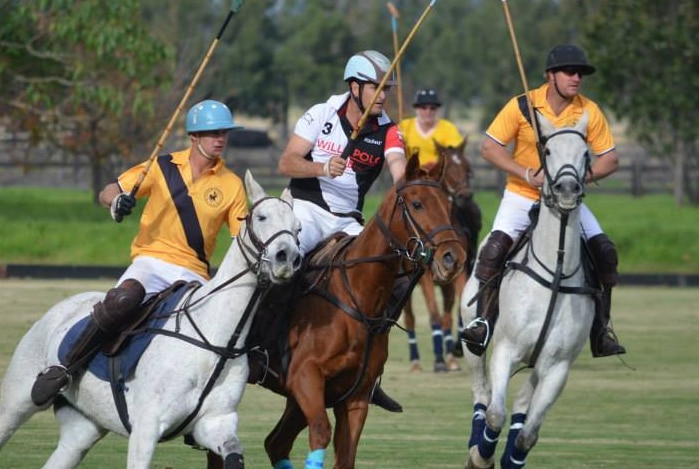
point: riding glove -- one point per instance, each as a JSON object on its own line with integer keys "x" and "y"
{"x": 122, "y": 205}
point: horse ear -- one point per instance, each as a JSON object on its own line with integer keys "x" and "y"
{"x": 436, "y": 172}
{"x": 440, "y": 148}
{"x": 545, "y": 127}
{"x": 412, "y": 167}
{"x": 461, "y": 146}
{"x": 581, "y": 126}
{"x": 254, "y": 190}
{"x": 287, "y": 197}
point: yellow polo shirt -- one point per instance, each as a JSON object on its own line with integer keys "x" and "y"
{"x": 218, "y": 196}
{"x": 510, "y": 125}
{"x": 444, "y": 132}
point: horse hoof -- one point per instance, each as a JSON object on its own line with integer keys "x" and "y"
{"x": 440, "y": 366}
{"x": 471, "y": 465}
{"x": 415, "y": 367}
{"x": 453, "y": 364}
{"x": 475, "y": 461}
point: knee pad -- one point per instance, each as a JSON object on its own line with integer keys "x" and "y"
{"x": 112, "y": 314}
{"x": 606, "y": 259}
{"x": 493, "y": 255}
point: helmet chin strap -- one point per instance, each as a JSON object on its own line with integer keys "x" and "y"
{"x": 358, "y": 99}
{"x": 204, "y": 153}
{"x": 555, "y": 85}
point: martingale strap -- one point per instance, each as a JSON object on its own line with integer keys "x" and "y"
{"x": 185, "y": 207}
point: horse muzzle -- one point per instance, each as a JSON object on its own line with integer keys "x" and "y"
{"x": 284, "y": 262}
{"x": 567, "y": 193}
{"x": 449, "y": 260}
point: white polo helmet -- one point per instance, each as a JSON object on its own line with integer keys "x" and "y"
{"x": 368, "y": 66}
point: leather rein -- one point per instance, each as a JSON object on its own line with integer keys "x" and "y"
{"x": 255, "y": 255}
{"x": 418, "y": 251}
{"x": 550, "y": 200}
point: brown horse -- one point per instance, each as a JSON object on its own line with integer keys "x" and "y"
{"x": 337, "y": 330}
{"x": 466, "y": 218}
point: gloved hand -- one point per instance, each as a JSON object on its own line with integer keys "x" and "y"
{"x": 122, "y": 205}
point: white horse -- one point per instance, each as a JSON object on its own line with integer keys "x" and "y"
{"x": 163, "y": 395}
{"x": 546, "y": 310}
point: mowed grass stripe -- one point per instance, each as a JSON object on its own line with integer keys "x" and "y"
{"x": 643, "y": 415}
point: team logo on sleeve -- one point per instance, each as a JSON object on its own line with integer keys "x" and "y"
{"x": 213, "y": 197}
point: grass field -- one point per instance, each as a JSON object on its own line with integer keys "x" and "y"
{"x": 64, "y": 227}
{"x": 639, "y": 416}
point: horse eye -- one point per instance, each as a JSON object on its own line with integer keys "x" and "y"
{"x": 261, "y": 217}
{"x": 417, "y": 205}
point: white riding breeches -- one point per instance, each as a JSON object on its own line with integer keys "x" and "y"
{"x": 317, "y": 224}
{"x": 512, "y": 217}
{"x": 156, "y": 275}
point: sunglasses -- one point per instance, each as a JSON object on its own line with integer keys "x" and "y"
{"x": 569, "y": 72}
{"x": 213, "y": 133}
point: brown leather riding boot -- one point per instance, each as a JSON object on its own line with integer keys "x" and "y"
{"x": 105, "y": 322}
{"x": 478, "y": 332}
{"x": 603, "y": 341}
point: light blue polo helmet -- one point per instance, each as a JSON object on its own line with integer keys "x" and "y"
{"x": 368, "y": 66}
{"x": 209, "y": 115}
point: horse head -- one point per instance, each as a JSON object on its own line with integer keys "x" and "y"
{"x": 424, "y": 226}
{"x": 566, "y": 161}
{"x": 456, "y": 176}
{"x": 268, "y": 237}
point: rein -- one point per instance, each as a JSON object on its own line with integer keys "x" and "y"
{"x": 550, "y": 200}
{"x": 414, "y": 251}
{"x": 254, "y": 257}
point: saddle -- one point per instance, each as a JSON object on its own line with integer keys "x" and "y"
{"x": 268, "y": 335}
{"x": 128, "y": 346}
{"x": 588, "y": 265}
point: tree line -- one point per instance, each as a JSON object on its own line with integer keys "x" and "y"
{"x": 102, "y": 78}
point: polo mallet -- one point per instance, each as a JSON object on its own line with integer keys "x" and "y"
{"x": 395, "y": 60}
{"x": 161, "y": 141}
{"x": 523, "y": 77}
{"x": 394, "y": 27}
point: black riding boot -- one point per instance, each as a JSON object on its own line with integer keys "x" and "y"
{"x": 107, "y": 320}
{"x": 399, "y": 294}
{"x": 478, "y": 332}
{"x": 603, "y": 341}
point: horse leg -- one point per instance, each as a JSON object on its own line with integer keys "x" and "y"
{"x": 281, "y": 439}
{"x": 350, "y": 418}
{"x": 16, "y": 406}
{"x": 143, "y": 439}
{"x": 449, "y": 299}
{"x": 428, "y": 289}
{"x": 220, "y": 435}
{"x": 512, "y": 457}
{"x": 413, "y": 351}
{"x": 77, "y": 435}
{"x": 481, "y": 455}
{"x": 545, "y": 391}
{"x": 459, "y": 284}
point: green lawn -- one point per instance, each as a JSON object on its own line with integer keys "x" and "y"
{"x": 639, "y": 416}
{"x": 64, "y": 227}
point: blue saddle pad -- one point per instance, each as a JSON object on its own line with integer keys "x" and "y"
{"x": 133, "y": 347}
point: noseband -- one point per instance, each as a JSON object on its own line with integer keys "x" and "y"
{"x": 567, "y": 170}
{"x": 257, "y": 254}
{"x": 420, "y": 246}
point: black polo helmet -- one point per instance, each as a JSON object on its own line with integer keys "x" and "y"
{"x": 426, "y": 97}
{"x": 568, "y": 55}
